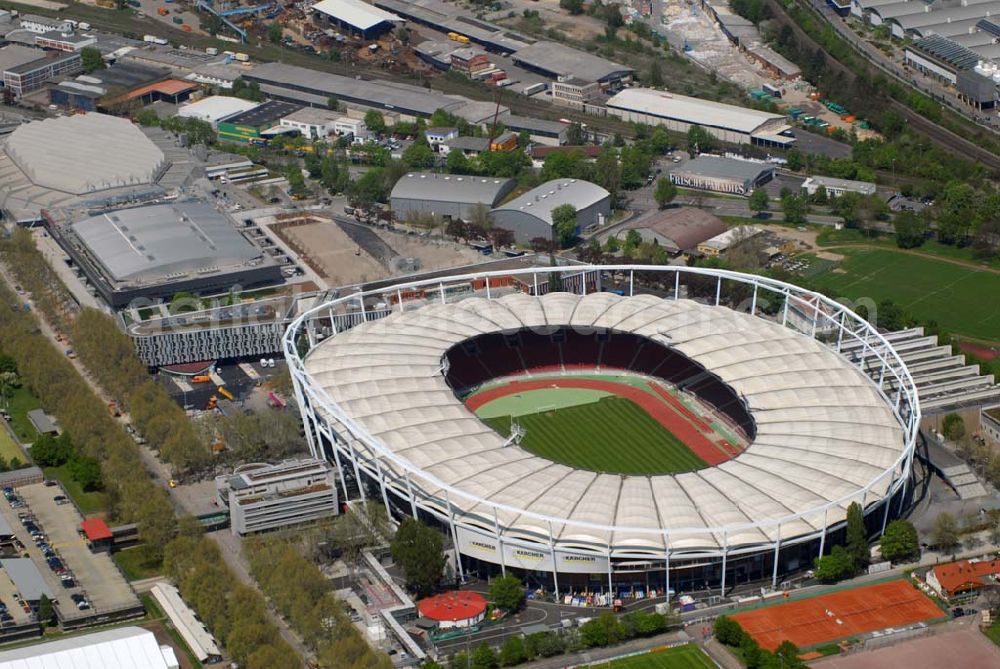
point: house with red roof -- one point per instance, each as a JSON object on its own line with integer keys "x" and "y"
{"x": 963, "y": 577}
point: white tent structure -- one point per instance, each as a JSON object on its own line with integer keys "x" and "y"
{"x": 121, "y": 648}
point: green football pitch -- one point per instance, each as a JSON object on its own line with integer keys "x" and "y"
{"x": 681, "y": 657}
{"x": 612, "y": 435}
{"x": 929, "y": 289}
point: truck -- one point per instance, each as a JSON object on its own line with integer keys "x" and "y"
{"x": 153, "y": 39}
{"x": 178, "y": 20}
{"x": 201, "y": 378}
{"x": 225, "y": 393}
{"x": 83, "y": 25}
{"x": 242, "y": 57}
{"x": 162, "y": 11}
{"x": 212, "y": 51}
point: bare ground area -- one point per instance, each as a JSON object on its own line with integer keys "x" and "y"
{"x": 334, "y": 256}
{"x": 806, "y": 237}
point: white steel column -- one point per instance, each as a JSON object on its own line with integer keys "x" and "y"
{"x": 840, "y": 331}
{"x": 611, "y": 587}
{"x": 454, "y": 535}
{"x": 784, "y": 310}
{"x": 725, "y": 555}
{"x": 631, "y": 282}
{"x": 496, "y": 529}
{"x": 399, "y": 298}
{"x": 357, "y": 473}
{"x": 677, "y": 285}
{"x": 888, "y": 503}
{"x": 555, "y": 567}
{"x": 753, "y": 302}
{"x": 413, "y": 497}
{"x": 822, "y": 537}
{"x": 777, "y": 550}
{"x": 718, "y": 291}
{"x": 666, "y": 553}
{"x": 534, "y": 278}
{"x": 441, "y": 289}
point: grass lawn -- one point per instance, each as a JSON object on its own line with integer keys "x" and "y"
{"x": 136, "y": 565}
{"x": 681, "y": 657}
{"x": 993, "y": 631}
{"x": 20, "y": 403}
{"x": 88, "y": 502}
{"x": 10, "y": 450}
{"x": 929, "y": 289}
{"x": 611, "y": 435}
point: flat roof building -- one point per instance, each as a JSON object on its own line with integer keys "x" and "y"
{"x": 216, "y": 108}
{"x": 312, "y": 122}
{"x": 447, "y": 196}
{"x": 530, "y": 215}
{"x": 722, "y": 175}
{"x": 22, "y": 76}
{"x": 131, "y": 648}
{"x": 836, "y": 187}
{"x": 42, "y": 422}
{"x": 193, "y": 631}
{"x": 718, "y": 245}
{"x": 356, "y": 16}
{"x": 60, "y": 40}
{"x": 159, "y": 250}
{"x": 445, "y": 17}
{"x": 26, "y": 578}
{"x": 556, "y": 61}
{"x": 248, "y": 125}
{"x": 263, "y": 497}
{"x": 728, "y": 123}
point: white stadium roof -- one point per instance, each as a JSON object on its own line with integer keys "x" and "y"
{"x": 84, "y": 153}
{"x": 121, "y": 648}
{"x": 823, "y": 431}
{"x": 359, "y": 14}
{"x": 691, "y": 110}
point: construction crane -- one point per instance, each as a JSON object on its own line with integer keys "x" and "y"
{"x": 496, "y": 116}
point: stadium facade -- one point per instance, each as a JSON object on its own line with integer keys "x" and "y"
{"x": 829, "y": 408}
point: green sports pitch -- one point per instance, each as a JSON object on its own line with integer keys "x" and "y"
{"x": 680, "y": 657}
{"x": 612, "y": 434}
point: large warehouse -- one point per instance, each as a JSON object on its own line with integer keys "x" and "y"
{"x": 131, "y": 648}
{"x": 216, "y": 108}
{"x": 559, "y": 61}
{"x": 61, "y": 161}
{"x": 160, "y": 250}
{"x": 385, "y": 400}
{"x": 728, "y": 123}
{"x": 678, "y": 229}
{"x": 530, "y": 215}
{"x": 356, "y": 17}
{"x": 722, "y": 175}
{"x": 446, "y": 196}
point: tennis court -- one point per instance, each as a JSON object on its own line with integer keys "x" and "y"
{"x": 847, "y": 613}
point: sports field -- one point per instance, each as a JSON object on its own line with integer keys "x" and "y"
{"x": 839, "y": 615}
{"x": 681, "y": 657}
{"x": 929, "y": 289}
{"x": 612, "y": 434}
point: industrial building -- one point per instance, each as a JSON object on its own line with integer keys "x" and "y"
{"x": 720, "y": 244}
{"x": 540, "y": 131}
{"x": 836, "y": 187}
{"x": 263, "y": 497}
{"x": 722, "y": 175}
{"x": 773, "y": 62}
{"x": 314, "y": 88}
{"x": 69, "y": 160}
{"x": 530, "y": 215}
{"x": 216, "y": 108}
{"x": 193, "y": 631}
{"x": 447, "y": 196}
{"x": 122, "y": 81}
{"x": 131, "y": 648}
{"x": 249, "y": 125}
{"x": 27, "y": 580}
{"x": 677, "y": 230}
{"x": 560, "y": 62}
{"x": 575, "y": 93}
{"x": 728, "y": 123}
{"x": 972, "y": 70}
{"x": 64, "y": 41}
{"x": 355, "y": 16}
{"x": 40, "y": 25}
{"x": 311, "y": 122}
{"x": 448, "y": 18}
{"x": 157, "y": 251}
{"x": 25, "y": 69}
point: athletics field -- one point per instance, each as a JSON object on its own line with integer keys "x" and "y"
{"x": 626, "y": 425}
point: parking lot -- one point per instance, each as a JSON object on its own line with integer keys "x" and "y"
{"x": 240, "y": 379}
{"x": 85, "y": 583}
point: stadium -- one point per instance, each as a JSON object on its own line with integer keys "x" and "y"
{"x": 606, "y": 441}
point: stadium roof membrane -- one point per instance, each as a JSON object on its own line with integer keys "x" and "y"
{"x": 824, "y": 432}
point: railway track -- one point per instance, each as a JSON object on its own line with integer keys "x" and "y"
{"x": 946, "y": 138}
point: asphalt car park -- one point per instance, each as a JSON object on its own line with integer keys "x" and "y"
{"x": 94, "y": 577}
{"x": 240, "y": 378}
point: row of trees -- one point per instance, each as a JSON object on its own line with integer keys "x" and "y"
{"x": 730, "y": 633}
{"x": 110, "y": 357}
{"x": 235, "y": 613}
{"x": 49, "y": 451}
{"x": 514, "y": 651}
{"x": 305, "y": 598}
{"x": 63, "y": 392}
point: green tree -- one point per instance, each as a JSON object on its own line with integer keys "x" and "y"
{"x": 275, "y": 32}
{"x": 793, "y": 158}
{"x": 911, "y": 229}
{"x": 564, "y": 223}
{"x": 46, "y": 612}
{"x": 484, "y": 657}
{"x": 603, "y": 630}
{"x": 608, "y": 172}
{"x": 857, "y": 536}
{"x": 574, "y": 7}
{"x": 419, "y": 154}
{"x": 575, "y": 135}
{"x": 759, "y": 201}
{"x": 953, "y": 427}
{"x": 507, "y": 593}
{"x": 655, "y": 78}
{"x": 87, "y": 472}
{"x": 457, "y": 163}
{"x": 836, "y": 566}
{"x": 374, "y": 121}
{"x": 795, "y": 208}
{"x": 565, "y": 165}
{"x": 944, "y": 534}
{"x": 728, "y": 631}
{"x": 513, "y": 652}
{"x": 899, "y": 541}
{"x": 91, "y": 59}
{"x": 333, "y": 104}
{"x": 49, "y": 451}
{"x": 665, "y": 192}
{"x": 699, "y": 140}
{"x": 419, "y": 551}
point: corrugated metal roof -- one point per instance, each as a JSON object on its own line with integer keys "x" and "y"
{"x": 150, "y": 243}
{"x": 691, "y": 110}
{"x": 948, "y": 51}
{"x": 726, "y": 168}
{"x": 358, "y": 14}
{"x": 564, "y": 61}
{"x": 26, "y": 578}
{"x": 540, "y": 201}
{"x": 452, "y": 188}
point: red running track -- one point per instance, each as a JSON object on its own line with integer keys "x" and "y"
{"x": 661, "y": 412}
{"x": 680, "y": 408}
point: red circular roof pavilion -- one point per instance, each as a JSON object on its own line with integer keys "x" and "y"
{"x": 453, "y": 606}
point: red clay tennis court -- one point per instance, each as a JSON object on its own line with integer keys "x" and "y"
{"x": 838, "y": 615}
